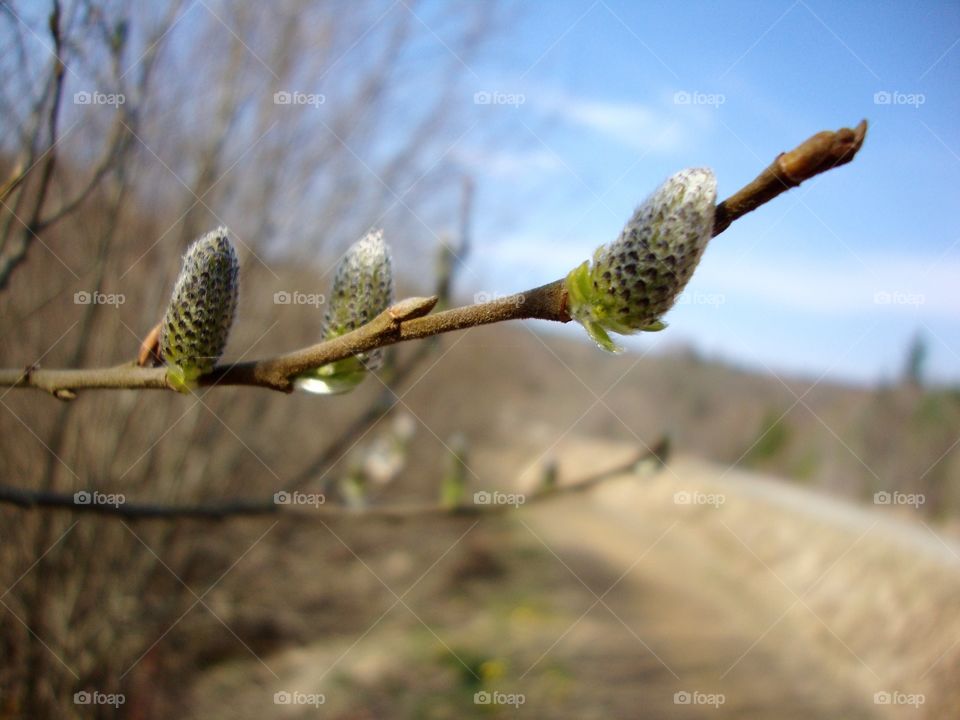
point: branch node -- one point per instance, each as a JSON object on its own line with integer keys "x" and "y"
{"x": 411, "y": 308}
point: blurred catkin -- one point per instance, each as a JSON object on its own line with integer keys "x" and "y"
{"x": 362, "y": 289}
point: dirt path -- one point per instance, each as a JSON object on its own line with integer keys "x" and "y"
{"x": 749, "y": 597}
{"x": 785, "y": 602}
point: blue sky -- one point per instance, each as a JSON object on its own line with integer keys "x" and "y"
{"x": 598, "y": 102}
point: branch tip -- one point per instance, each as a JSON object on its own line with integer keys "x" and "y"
{"x": 822, "y": 152}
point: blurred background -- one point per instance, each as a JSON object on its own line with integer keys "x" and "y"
{"x": 796, "y": 552}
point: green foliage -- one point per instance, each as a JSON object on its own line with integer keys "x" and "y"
{"x": 915, "y": 365}
{"x": 774, "y": 436}
{"x": 454, "y": 485}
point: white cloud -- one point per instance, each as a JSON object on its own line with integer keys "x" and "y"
{"x": 508, "y": 164}
{"x": 523, "y": 260}
{"x": 879, "y": 282}
{"x": 631, "y": 124}
{"x": 639, "y": 126}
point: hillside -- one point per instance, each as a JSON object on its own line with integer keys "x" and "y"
{"x": 509, "y": 384}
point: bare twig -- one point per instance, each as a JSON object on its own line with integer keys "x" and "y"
{"x": 824, "y": 151}
{"x": 15, "y": 255}
{"x": 318, "y": 512}
{"x": 409, "y": 319}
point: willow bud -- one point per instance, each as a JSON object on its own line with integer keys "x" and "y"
{"x": 634, "y": 280}
{"x": 197, "y": 322}
{"x": 362, "y": 289}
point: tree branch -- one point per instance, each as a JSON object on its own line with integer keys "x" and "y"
{"x": 318, "y": 512}
{"x": 409, "y": 319}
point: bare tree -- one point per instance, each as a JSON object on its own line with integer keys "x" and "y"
{"x": 125, "y": 133}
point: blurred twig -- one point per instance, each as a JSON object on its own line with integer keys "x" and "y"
{"x": 234, "y": 508}
{"x": 409, "y": 319}
{"x": 14, "y": 254}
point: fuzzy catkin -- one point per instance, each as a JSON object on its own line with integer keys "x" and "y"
{"x": 634, "y": 280}
{"x": 362, "y": 289}
{"x": 197, "y": 322}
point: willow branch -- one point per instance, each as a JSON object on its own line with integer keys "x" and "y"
{"x": 320, "y": 512}
{"x": 409, "y": 319}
